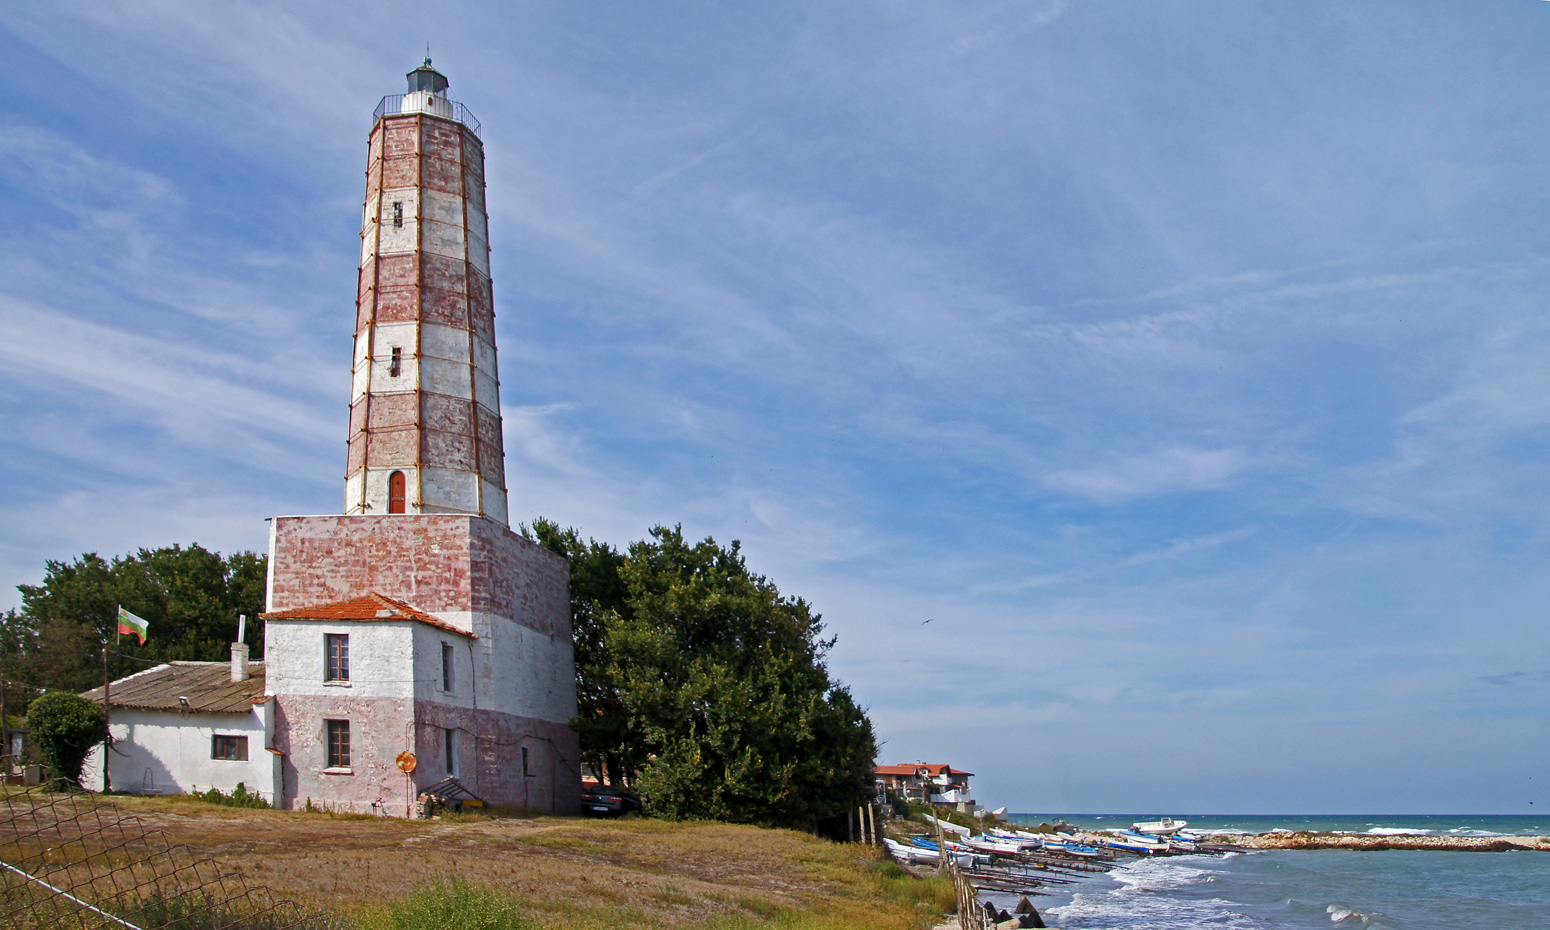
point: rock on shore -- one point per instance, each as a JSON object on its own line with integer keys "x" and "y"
{"x": 1370, "y": 841}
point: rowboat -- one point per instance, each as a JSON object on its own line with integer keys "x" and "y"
{"x": 1071, "y": 847}
{"x": 923, "y": 850}
{"x": 1162, "y": 827}
{"x": 1131, "y": 846}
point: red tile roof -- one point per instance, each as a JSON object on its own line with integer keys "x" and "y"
{"x": 373, "y": 606}
{"x": 932, "y": 769}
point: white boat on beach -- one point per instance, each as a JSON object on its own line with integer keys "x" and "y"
{"x": 1140, "y": 847}
{"x": 914, "y": 854}
{"x": 1163, "y": 827}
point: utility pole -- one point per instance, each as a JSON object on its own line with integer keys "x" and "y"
{"x": 107, "y": 684}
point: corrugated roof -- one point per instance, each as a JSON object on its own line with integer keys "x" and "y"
{"x": 373, "y": 606}
{"x": 207, "y": 686}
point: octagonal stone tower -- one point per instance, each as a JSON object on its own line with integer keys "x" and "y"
{"x": 425, "y": 422}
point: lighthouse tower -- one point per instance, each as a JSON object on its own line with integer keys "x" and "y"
{"x": 425, "y": 420}
{"x": 415, "y": 637}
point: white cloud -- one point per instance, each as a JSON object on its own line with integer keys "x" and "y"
{"x": 1164, "y": 471}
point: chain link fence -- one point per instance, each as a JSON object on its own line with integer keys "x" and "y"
{"x": 71, "y": 859}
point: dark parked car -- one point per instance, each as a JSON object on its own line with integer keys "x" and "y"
{"x": 607, "y": 802}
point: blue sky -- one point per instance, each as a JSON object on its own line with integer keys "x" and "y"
{"x": 1183, "y": 363}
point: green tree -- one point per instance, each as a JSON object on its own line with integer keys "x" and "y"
{"x": 66, "y": 727}
{"x": 711, "y": 689}
{"x": 191, "y": 597}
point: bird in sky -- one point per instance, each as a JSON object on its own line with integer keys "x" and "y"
{"x": 924, "y": 622}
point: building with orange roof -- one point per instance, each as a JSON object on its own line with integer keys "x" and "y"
{"x": 927, "y": 783}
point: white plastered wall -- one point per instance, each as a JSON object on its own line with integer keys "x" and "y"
{"x": 397, "y": 239}
{"x": 169, "y": 752}
{"x": 448, "y": 490}
{"x": 376, "y": 482}
{"x": 494, "y": 500}
{"x": 520, "y": 671}
{"x": 381, "y": 658}
{"x": 385, "y": 338}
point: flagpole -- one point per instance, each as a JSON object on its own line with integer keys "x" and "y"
{"x": 107, "y": 691}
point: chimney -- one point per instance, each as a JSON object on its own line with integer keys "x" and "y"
{"x": 239, "y": 651}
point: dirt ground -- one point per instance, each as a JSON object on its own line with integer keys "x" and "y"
{"x": 567, "y": 871}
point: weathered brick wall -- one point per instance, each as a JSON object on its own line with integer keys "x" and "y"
{"x": 380, "y": 729}
{"x": 439, "y": 563}
{"x": 489, "y": 756}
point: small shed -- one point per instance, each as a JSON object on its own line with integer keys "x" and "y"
{"x": 185, "y": 727}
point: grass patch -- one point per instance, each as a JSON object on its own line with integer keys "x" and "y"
{"x": 203, "y": 911}
{"x": 492, "y": 812}
{"x": 451, "y": 904}
{"x": 375, "y": 873}
{"x": 561, "y": 841}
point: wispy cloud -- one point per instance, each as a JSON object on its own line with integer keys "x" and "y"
{"x": 1164, "y": 471}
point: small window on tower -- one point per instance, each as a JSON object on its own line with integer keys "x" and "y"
{"x": 396, "y": 487}
{"x": 398, "y": 213}
{"x": 396, "y": 364}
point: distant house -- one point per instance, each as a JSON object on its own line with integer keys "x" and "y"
{"x": 190, "y": 726}
{"x": 927, "y": 783}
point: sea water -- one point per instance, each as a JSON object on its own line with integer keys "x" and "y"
{"x": 1297, "y": 889}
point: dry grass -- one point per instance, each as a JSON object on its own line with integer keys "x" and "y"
{"x": 557, "y": 872}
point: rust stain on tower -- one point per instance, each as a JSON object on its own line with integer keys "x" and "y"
{"x": 425, "y": 398}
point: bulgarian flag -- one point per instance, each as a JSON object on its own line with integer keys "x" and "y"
{"x": 129, "y": 623}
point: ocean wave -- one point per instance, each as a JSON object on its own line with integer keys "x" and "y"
{"x": 1465, "y": 831}
{"x": 1122, "y": 913}
{"x": 1150, "y": 875}
{"x": 1339, "y": 913}
{"x": 1397, "y": 831}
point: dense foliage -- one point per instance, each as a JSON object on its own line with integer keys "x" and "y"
{"x": 704, "y": 688}
{"x": 65, "y": 727}
{"x": 191, "y": 597}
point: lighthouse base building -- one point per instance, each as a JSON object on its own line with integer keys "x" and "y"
{"x": 443, "y": 636}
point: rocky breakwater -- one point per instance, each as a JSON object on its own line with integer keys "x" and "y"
{"x": 1285, "y": 840}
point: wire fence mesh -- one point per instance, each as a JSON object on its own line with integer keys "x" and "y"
{"x": 71, "y": 859}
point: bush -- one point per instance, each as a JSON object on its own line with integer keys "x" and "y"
{"x": 240, "y": 797}
{"x": 65, "y": 727}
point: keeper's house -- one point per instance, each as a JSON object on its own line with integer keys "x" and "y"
{"x": 190, "y": 726}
